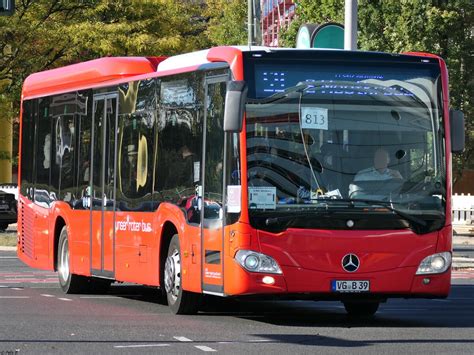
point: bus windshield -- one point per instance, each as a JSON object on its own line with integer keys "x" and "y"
{"x": 320, "y": 132}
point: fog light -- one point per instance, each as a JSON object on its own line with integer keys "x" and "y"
{"x": 426, "y": 281}
{"x": 268, "y": 280}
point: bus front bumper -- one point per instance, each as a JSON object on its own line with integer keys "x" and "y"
{"x": 399, "y": 282}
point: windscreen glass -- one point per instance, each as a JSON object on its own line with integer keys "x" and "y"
{"x": 324, "y": 134}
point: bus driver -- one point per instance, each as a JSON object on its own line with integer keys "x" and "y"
{"x": 380, "y": 170}
{"x": 378, "y": 173}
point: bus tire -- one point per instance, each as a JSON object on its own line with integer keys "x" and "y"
{"x": 69, "y": 282}
{"x": 179, "y": 300}
{"x": 361, "y": 309}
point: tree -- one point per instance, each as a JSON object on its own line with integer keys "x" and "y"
{"x": 227, "y": 22}
{"x": 441, "y": 27}
{"x": 45, "y": 34}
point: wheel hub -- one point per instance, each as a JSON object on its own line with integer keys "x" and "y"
{"x": 173, "y": 274}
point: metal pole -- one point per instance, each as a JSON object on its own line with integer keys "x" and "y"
{"x": 257, "y": 16}
{"x": 350, "y": 25}
{"x": 250, "y": 22}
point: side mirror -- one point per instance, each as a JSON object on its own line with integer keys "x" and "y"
{"x": 456, "y": 121}
{"x": 234, "y": 106}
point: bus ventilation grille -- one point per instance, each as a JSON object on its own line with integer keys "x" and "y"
{"x": 26, "y": 239}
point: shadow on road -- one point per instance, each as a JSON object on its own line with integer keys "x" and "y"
{"x": 325, "y": 341}
{"x": 455, "y": 312}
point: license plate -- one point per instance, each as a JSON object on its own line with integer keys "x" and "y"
{"x": 4, "y": 207}
{"x": 350, "y": 285}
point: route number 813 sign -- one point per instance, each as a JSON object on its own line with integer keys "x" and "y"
{"x": 314, "y": 118}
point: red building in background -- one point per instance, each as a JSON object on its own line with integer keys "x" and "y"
{"x": 276, "y": 14}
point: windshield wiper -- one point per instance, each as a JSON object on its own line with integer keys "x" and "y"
{"x": 386, "y": 204}
{"x": 276, "y": 220}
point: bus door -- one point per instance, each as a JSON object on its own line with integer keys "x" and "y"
{"x": 102, "y": 185}
{"x": 212, "y": 194}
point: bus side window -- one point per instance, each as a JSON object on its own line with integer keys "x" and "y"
{"x": 179, "y": 141}
{"x": 137, "y": 113}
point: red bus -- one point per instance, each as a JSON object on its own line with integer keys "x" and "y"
{"x": 299, "y": 174}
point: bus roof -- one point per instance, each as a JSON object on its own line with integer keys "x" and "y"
{"x": 112, "y": 70}
{"x": 86, "y": 74}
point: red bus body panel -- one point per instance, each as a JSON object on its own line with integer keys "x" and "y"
{"x": 311, "y": 259}
{"x": 83, "y": 75}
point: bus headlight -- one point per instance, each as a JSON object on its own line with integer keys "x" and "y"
{"x": 435, "y": 264}
{"x": 256, "y": 262}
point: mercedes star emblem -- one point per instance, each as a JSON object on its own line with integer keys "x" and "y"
{"x": 350, "y": 262}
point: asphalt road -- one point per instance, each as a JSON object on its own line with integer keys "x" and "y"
{"x": 36, "y": 317}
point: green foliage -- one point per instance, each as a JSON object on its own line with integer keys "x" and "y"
{"x": 441, "y": 27}
{"x": 227, "y": 24}
{"x": 45, "y": 34}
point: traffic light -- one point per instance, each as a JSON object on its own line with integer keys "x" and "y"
{"x": 7, "y": 7}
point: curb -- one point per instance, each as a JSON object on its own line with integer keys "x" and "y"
{"x": 3, "y": 248}
{"x": 460, "y": 262}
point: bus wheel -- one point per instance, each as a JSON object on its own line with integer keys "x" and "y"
{"x": 361, "y": 309}
{"x": 69, "y": 283}
{"x": 180, "y": 301}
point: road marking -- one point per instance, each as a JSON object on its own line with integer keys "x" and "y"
{"x": 183, "y": 339}
{"x": 8, "y": 257}
{"x": 46, "y": 295}
{"x": 204, "y": 348}
{"x": 17, "y": 289}
{"x": 403, "y": 309}
{"x": 14, "y": 297}
{"x": 259, "y": 341}
{"x": 64, "y": 299}
{"x": 139, "y": 346}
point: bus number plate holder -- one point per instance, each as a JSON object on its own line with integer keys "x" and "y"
{"x": 350, "y": 285}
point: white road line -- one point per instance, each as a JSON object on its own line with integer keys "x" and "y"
{"x": 64, "y": 299}
{"x": 2, "y": 297}
{"x": 46, "y": 295}
{"x": 259, "y": 341}
{"x": 204, "y": 348}
{"x": 403, "y": 309}
{"x": 44, "y": 286}
{"x": 182, "y": 339}
{"x": 16, "y": 289}
{"x": 8, "y": 257}
{"x": 139, "y": 346}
